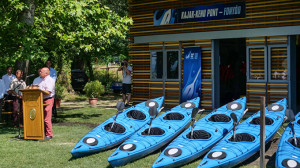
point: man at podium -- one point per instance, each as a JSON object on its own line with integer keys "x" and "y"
{"x": 47, "y": 84}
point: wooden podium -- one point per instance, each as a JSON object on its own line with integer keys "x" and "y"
{"x": 33, "y": 113}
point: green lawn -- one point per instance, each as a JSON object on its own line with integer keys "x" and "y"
{"x": 68, "y": 129}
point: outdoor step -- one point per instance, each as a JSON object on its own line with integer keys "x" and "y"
{"x": 81, "y": 104}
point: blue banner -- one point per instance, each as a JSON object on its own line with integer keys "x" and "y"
{"x": 191, "y": 73}
{"x": 200, "y": 13}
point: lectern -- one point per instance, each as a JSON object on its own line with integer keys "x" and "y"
{"x": 33, "y": 113}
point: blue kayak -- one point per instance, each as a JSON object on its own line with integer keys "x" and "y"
{"x": 110, "y": 134}
{"x": 207, "y": 132}
{"x": 288, "y": 154}
{"x": 164, "y": 128}
{"x": 231, "y": 151}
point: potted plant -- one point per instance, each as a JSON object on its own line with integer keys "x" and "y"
{"x": 93, "y": 91}
{"x": 60, "y": 93}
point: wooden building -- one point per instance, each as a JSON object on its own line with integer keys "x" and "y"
{"x": 261, "y": 46}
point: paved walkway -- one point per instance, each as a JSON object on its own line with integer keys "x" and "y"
{"x": 81, "y": 104}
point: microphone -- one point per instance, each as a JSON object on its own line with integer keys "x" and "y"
{"x": 31, "y": 75}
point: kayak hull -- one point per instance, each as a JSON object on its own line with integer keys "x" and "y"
{"x": 165, "y": 128}
{"x": 288, "y": 155}
{"x": 190, "y": 148}
{"x": 229, "y": 152}
{"x": 127, "y": 123}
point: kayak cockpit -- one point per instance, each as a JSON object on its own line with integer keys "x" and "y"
{"x": 219, "y": 118}
{"x": 173, "y": 116}
{"x": 136, "y": 114}
{"x": 256, "y": 121}
{"x": 242, "y": 137}
{"x": 116, "y": 128}
{"x": 198, "y": 134}
{"x": 153, "y": 131}
{"x": 291, "y": 141}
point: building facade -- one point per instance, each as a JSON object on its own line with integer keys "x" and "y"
{"x": 248, "y": 48}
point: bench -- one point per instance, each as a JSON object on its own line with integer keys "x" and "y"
{"x": 3, "y": 112}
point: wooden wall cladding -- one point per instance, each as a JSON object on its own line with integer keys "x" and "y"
{"x": 140, "y": 58}
{"x": 143, "y": 88}
{"x": 273, "y": 91}
{"x": 259, "y": 14}
{"x": 254, "y": 92}
{"x": 277, "y": 92}
{"x": 206, "y": 95}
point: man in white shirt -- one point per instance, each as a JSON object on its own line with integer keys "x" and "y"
{"x": 46, "y": 83}
{"x": 126, "y": 84}
{"x": 7, "y": 78}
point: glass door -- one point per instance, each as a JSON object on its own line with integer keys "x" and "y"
{"x": 165, "y": 70}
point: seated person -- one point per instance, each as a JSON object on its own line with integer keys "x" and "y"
{"x": 14, "y": 87}
{"x": 7, "y": 78}
{"x": 2, "y": 90}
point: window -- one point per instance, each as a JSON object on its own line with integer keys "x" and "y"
{"x": 156, "y": 65}
{"x": 279, "y": 63}
{"x": 164, "y": 65}
{"x": 257, "y": 63}
{"x": 172, "y": 64}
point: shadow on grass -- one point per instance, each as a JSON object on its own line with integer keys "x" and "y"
{"x": 63, "y": 115}
{"x": 78, "y": 115}
{"x": 8, "y": 129}
{"x": 254, "y": 158}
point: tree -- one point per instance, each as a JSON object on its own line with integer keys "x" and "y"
{"x": 61, "y": 30}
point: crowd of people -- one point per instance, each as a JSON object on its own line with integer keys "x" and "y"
{"x": 11, "y": 84}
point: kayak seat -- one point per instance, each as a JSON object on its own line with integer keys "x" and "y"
{"x": 242, "y": 137}
{"x": 153, "y": 131}
{"x": 173, "y": 116}
{"x": 198, "y": 134}
{"x": 117, "y": 128}
{"x": 136, "y": 114}
{"x": 291, "y": 140}
{"x": 219, "y": 118}
{"x": 256, "y": 121}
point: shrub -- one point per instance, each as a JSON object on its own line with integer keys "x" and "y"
{"x": 60, "y": 92}
{"x": 107, "y": 79}
{"x": 94, "y": 89}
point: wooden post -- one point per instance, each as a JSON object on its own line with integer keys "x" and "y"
{"x": 262, "y": 131}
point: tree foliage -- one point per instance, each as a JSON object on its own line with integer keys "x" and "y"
{"x": 62, "y": 30}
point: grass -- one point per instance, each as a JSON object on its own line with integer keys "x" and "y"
{"x": 68, "y": 129}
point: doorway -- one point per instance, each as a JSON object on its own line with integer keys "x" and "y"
{"x": 232, "y": 69}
